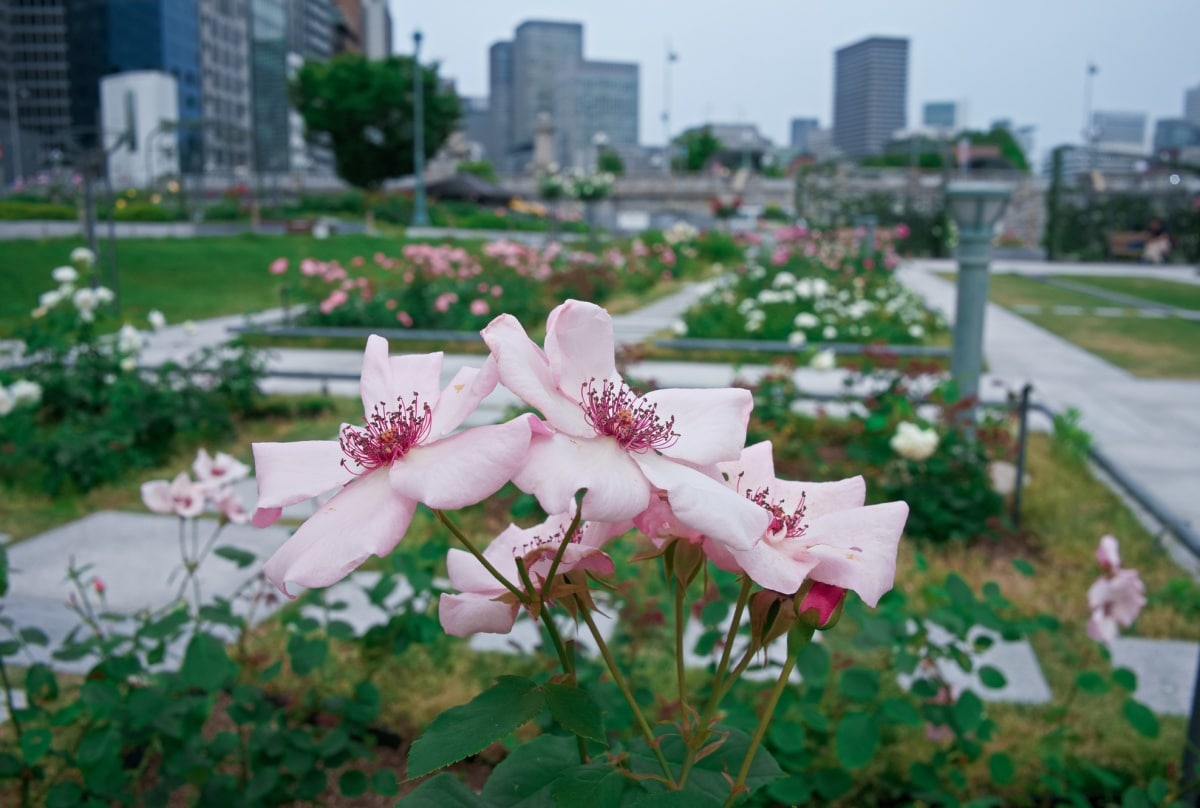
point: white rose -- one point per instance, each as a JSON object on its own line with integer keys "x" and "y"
{"x": 829, "y": 332}
{"x": 48, "y": 300}
{"x": 25, "y": 392}
{"x": 104, "y": 294}
{"x": 156, "y": 319}
{"x": 129, "y": 339}
{"x": 823, "y": 360}
{"x": 913, "y": 442}
{"x": 916, "y": 332}
{"x": 806, "y": 320}
{"x": 7, "y": 402}
{"x": 797, "y": 338}
{"x": 129, "y": 363}
{"x": 680, "y": 328}
{"x": 83, "y": 256}
{"x": 65, "y": 274}
{"x": 84, "y": 299}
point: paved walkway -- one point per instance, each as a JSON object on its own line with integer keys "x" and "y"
{"x": 1149, "y": 427}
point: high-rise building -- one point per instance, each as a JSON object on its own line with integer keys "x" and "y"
{"x": 801, "y": 128}
{"x": 870, "y": 94}
{"x": 1120, "y": 131}
{"x": 542, "y": 73}
{"x": 1172, "y": 135}
{"x": 500, "y": 81}
{"x": 133, "y": 106}
{"x": 225, "y": 83}
{"x": 269, "y": 75}
{"x": 349, "y": 31}
{"x": 311, "y": 26}
{"x": 941, "y": 115}
{"x": 116, "y": 36}
{"x": 376, "y": 29}
{"x": 35, "y": 114}
{"x": 1191, "y": 105}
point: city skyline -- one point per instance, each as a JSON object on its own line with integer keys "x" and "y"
{"x": 777, "y": 64}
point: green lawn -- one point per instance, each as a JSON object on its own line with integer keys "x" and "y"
{"x": 1157, "y": 348}
{"x": 185, "y": 279}
{"x": 1155, "y": 290}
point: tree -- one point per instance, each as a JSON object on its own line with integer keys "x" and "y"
{"x": 365, "y": 110}
{"x": 698, "y": 146}
{"x": 479, "y": 168}
{"x": 610, "y": 161}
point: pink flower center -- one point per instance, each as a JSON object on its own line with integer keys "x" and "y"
{"x": 387, "y": 436}
{"x": 615, "y": 411}
{"x": 790, "y": 525}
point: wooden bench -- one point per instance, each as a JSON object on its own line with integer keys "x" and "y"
{"x": 1127, "y": 244}
{"x": 299, "y": 227}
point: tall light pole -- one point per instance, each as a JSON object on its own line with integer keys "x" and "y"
{"x": 420, "y": 217}
{"x": 14, "y": 126}
{"x": 672, "y": 58}
{"x": 1089, "y": 127}
{"x": 976, "y": 208}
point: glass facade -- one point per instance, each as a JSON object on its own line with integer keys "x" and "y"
{"x": 268, "y": 59}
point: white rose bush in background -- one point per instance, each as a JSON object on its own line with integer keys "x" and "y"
{"x": 599, "y": 457}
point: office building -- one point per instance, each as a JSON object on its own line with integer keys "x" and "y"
{"x": 225, "y": 84}
{"x": 1173, "y": 135}
{"x": 541, "y": 74}
{"x": 801, "y": 128}
{"x": 117, "y": 36}
{"x": 35, "y": 113}
{"x": 311, "y": 26}
{"x": 942, "y": 116}
{"x": 474, "y": 123}
{"x": 1120, "y": 131}
{"x": 1191, "y": 105}
{"x": 870, "y": 94}
{"x": 269, "y": 75}
{"x": 134, "y": 105}
{"x": 376, "y": 29}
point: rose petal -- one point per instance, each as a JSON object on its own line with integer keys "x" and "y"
{"x": 857, "y": 548}
{"x": 156, "y": 495}
{"x": 559, "y": 466}
{"x": 704, "y": 504}
{"x": 467, "y": 614}
{"x": 525, "y": 371}
{"x": 365, "y": 518}
{"x": 468, "y": 575}
{"x": 579, "y": 345}
{"x": 288, "y": 473}
{"x": 711, "y": 423}
{"x": 465, "y": 468}
{"x": 460, "y": 398}
{"x": 772, "y": 568}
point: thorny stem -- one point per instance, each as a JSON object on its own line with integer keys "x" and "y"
{"x": 84, "y": 606}
{"x": 487, "y": 565}
{"x": 562, "y": 548}
{"x": 12, "y": 713}
{"x": 718, "y": 683}
{"x": 680, "y": 673}
{"x": 651, "y": 741}
{"x": 761, "y": 730}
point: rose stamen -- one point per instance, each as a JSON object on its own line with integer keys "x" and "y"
{"x": 791, "y": 525}
{"x": 387, "y": 436}
{"x": 615, "y": 411}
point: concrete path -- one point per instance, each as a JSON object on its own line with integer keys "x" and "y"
{"x": 1150, "y": 427}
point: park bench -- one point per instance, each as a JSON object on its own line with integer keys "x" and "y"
{"x": 299, "y": 227}
{"x": 1126, "y": 244}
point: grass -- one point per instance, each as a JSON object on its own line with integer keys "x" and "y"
{"x": 1156, "y": 348}
{"x": 1155, "y": 290}
{"x": 185, "y": 279}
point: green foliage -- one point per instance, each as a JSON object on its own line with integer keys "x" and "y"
{"x": 364, "y": 108}
{"x": 479, "y": 168}
{"x": 18, "y": 210}
{"x": 609, "y": 160}
{"x": 1070, "y": 438}
{"x": 698, "y": 146}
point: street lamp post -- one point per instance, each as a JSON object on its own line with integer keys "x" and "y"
{"x": 420, "y": 217}
{"x": 976, "y": 207}
{"x": 599, "y": 141}
{"x": 14, "y": 126}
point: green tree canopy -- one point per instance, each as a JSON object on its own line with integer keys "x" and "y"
{"x": 365, "y": 109}
{"x": 698, "y": 146}
{"x": 610, "y": 161}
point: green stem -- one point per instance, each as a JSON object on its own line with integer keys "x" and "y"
{"x": 568, "y": 667}
{"x": 718, "y": 689}
{"x": 761, "y": 730}
{"x": 680, "y": 673}
{"x": 562, "y": 548}
{"x": 487, "y": 565}
{"x": 651, "y": 741}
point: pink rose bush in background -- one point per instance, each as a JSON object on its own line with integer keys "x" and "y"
{"x": 1116, "y": 598}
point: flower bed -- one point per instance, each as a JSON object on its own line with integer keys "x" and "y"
{"x": 812, "y": 288}
{"x": 461, "y": 287}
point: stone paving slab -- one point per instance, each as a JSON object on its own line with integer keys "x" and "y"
{"x": 1024, "y": 681}
{"x": 19, "y": 701}
{"x": 1166, "y": 671}
{"x": 135, "y": 555}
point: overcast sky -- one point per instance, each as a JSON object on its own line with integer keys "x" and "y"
{"x": 767, "y": 61}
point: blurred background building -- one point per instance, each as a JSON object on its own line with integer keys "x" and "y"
{"x": 870, "y": 94}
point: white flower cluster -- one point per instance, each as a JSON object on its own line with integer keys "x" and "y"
{"x": 18, "y": 394}
{"x": 913, "y": 442}
{"x": 86, "y": 299}
{"x": 679, "y": 233}
{"x": 130, "y": 342}
{"x": 588, "y": 187}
